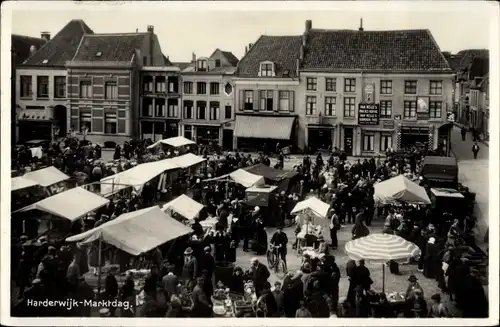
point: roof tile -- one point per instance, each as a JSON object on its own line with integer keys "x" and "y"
{"x": 21, "y": 46}
{"x": 404, "y": 50}
{"x": 62, "y": 46}
{"x": 112, "y": 47}
{"x": 282, "y": 50}
{"x": 230, "y": 57}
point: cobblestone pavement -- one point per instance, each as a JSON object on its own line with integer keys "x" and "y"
{"x": 393, "y": 283}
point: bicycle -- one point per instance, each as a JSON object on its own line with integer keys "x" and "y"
{"x": 275, "y": 261}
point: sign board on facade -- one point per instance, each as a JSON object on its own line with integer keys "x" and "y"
{"x": 368, "y": 114}
{"x": 369, "y": 93}
{"x": 397, "y": 117}
{"x": 450, "y": 116}
{"x": 422, "y": 108}
{"x": 388, "y": 123}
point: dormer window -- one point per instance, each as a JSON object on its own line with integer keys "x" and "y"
{"x": 267, "y": 69}
{"x": 98, "y": 54}
{"x": 45, "y": 61}
{"x": 202, "y": 65}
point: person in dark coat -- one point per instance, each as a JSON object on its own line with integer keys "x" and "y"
{"x": 470, "y": 296}
{"x": 201, "y": 306}
{"x": 475, "y": 150}
{"x": 293, "y": 293}
{"x": 359, "y": 229}
{"x": 190, "y": 268}
{"x": 463, "y": 132}
{"x": 351, "y": 275}
{"x": 231, "y": 252}
{"x": 117, "y": 155}
{"x": 432, "y": 259}
{"x": 208, "y": 262}
{"x": 362, "y": 275}
{"x": 416, "y": 305}
{"x": 362, "y": 303}
{"x": 236, "y": 284}
{"x": 260, "y": 274}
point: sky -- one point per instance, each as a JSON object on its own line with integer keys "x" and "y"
{"x": 184, "y": 28}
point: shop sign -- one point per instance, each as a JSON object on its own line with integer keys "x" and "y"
{"x": 450, "y": 116}
{"x": 369, "y": 91}
{"x": 397, "y": 117}
{"x": 388, "y": 123}
{"x": 368, "y": 114}
{"x": 422, "y": 108}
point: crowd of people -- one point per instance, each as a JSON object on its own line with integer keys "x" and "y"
{"x": 182, "y": 278}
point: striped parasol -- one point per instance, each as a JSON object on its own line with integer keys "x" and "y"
{"x": 381, "y": 248}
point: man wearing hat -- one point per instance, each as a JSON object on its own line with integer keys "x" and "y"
{"x": 416, "y": 304}
{"x": 413, "y": 285}
{"x": 190, "y": 268}
{"x": 279, "y": 240}
{"x": 208, "y": 263}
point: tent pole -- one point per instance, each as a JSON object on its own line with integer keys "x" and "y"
{"x": 383, "y": 278}
{"x": 99, "y": 267}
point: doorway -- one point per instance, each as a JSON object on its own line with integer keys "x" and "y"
{"x": 319, "y": 138}
{"x": 348, "y": 140}
{"x": 60, "y": 116}
{"x": 227, "y": 139}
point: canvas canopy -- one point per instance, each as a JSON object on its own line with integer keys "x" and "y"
{"x": 175, "y": 142}
{"x": 400, "y": 188}
{"x": 187, "y": 160}
{"x": 318, "y": 207}
{"x": 46, "y": 176}
{"x": 21, "y": 182}
{"x": 246, "y": 179}
{"x": 71, "y": 204}
{"x": 257, "y": 189}
{"x": 184, "y": 206}
{"x": 136, "y": 232}
{"x": 275, "y": 175}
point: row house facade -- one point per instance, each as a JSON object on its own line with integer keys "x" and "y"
{"x": 369, "y": 98}
{"x": 266, "y": 85}
{"x": 479, "y": 101}
{"x": 159, "y": 102}
{"x": 41, "y": 85}
{"x": 103, "y": 84}
{"x": 208, "y": 99}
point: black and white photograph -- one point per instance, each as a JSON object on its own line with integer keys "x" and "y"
{"x": 265, "y": 163}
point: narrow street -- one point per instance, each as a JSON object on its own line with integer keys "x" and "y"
{"x": 473, "y": 173}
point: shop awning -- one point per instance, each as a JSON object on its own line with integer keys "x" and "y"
{"x": 264, "y": 127}
{"x": 136, "y": 232}
{"x": 184, "y": 206}
{"x": 71, "y": 204}
{"x": 46, "y": 176}
{"x": 314, "y": 204}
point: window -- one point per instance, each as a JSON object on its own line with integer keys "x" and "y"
{"x": 330, "y": 104}
{"x": 349, "y": 107}
{"x": 214, "y": 110}
{"x": 160, "y": 86}
{"x": 266, "y": 69}
{"x": 368, "y": 142}
{"x": 435, "y": 108}
{"x": 147, "y": 83}
{"x": 228, "y": 89}
{"x": 172, "y": 108}
{"x": 228, "y": 112}
{"x": 85, "y": 121}
{"x": 147, "y": 107}
{"x": 201, "y": 107}
{"x": 42, "y": 87}
{"x": 188, "y": 87}
{"x": 201, "y": 88}
{"x": 26, "y": 87}
{"x": 202, "y": 65}
{"x": 266, "y": 100}
{"x": 111, "y": 91}
{"x": 436, "y": 87}
{"x": 85, "y": 89}
{"x": 410, "y": 109}
{"x": 386, "y": 87}
{"x": 217, "y": 62}
{"x": 410, "y": 87}
{"x": 312, "y": 83}
{"x": 385, "y": 142}
{"x": 110, "y": 123}
{"x": 188, "y": 132}
{"x": 59, "y": 86}
{"x": 214, "y": 88}
{"x": 385, "y": 109}
{"x": 160, "y": 108}
{"x": 188, "y": 109}
{"x": 331, "y": 84}
{"x": 284, "y": 100}
{"x": 248, "y": 100}
{"x": 310, "y": 105}
{"x": 349, "y": 85}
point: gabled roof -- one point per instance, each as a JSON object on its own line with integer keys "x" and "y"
{"x": 230, "y": 57}
{"x": 466, "y": 57}
{"x": 283, "y": 51}
{"x": 403, "y": 50}
{"x": 62, "y": 46}
{"x": 21, "y": 46}
{"x": 109, "y": 47}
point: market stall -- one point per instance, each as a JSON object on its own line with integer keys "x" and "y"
{"x": 400, "y": 188}
{"x": 240, "y": 177}
{"x": 178, "y": 142}
{"x": 46, "y": 177}
{"x": 259, "y": 195}
{"x": 272, "y": 176}
{"x": 313, "y": 222}
{"x": 184, "y": 206}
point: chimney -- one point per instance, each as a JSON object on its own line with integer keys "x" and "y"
{"x": 137, "y": 30}
{"x": 308, "y": 26}
{"x": 151, "y": 29}
{"x": 301, "y": 52}
{"x": 45, "y": 36}
{"x": 298, "y": 67}
{"x": 246, "y": 49}
{"x": 361, "y": 29}
{"x": 193, "y": 60}
{"x": 250, "y": 45}
{"x": 32, "y": 50}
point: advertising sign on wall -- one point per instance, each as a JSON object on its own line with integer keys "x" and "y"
{"x": 368, "y": 114}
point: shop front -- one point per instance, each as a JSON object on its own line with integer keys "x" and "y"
{"x": 35, "y": 130}
{"x": 157, "y": 130}
{"x": 264, "y": 132}
{"x": 320, "y": 137}
{"x": 415, "y": 135}
{"x": 208, "y": 135}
